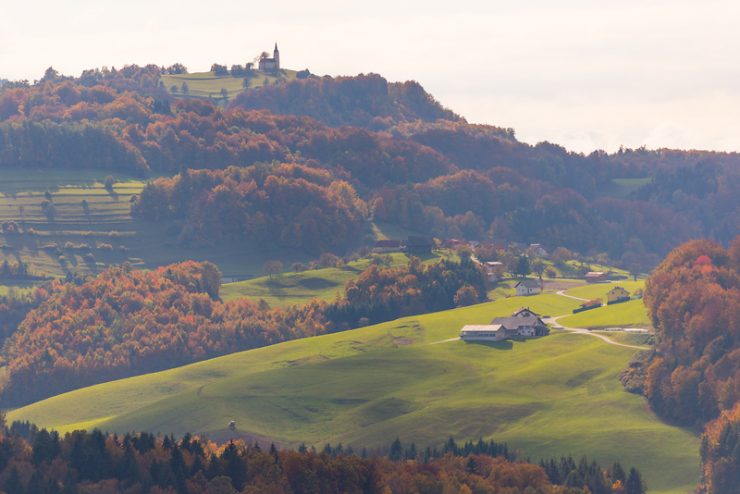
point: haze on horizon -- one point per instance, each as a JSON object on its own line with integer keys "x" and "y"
{"x": 584, "y": 74}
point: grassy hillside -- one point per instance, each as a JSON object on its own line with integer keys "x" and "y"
{"x": 85, "y": 240}
{"x": 632, "y": 313}
{"x": 295, "y": 288}
{"x": 548, "y": 396}
{"x": 626, "y": 314}
{"x": 207, "y": 85}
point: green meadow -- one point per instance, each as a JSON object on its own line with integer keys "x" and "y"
{"x": 292, "y": 288}
{"x": 599, "y": 290}
{"x": 207, "y": 85}
{"x": 626, "y": 314}
{"x": 408, "y": 378}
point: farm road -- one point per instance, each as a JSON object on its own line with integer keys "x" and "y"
{"x": 554, "y": 322}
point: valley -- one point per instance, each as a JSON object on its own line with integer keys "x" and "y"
{"x": 549, "y": 396}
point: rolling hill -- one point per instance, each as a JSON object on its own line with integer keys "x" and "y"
{"x": 550, "y": 396}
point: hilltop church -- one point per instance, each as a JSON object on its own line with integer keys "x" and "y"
{"x": 267, "y": 64}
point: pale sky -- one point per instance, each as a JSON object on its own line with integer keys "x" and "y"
{"x": 587, "y": 74}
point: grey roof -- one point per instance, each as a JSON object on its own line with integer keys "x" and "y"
{"x": 529, "y": 283}
{"x": 514, "y": 322}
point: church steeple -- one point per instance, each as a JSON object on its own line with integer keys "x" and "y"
{"x": 276, "y": 56}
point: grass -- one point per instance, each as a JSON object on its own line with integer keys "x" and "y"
{"x": 629, "y": 338}
{"x": 296, "y": 288}
{"x": 623, "y": 187}
{"x": 548, "y": 396}
{"x": 10, "y": 287}
{"x": 207, "y": 85}
{"x": 626, "y": 314}
{"x": 599, "y": 290}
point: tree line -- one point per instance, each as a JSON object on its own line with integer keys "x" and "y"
{"x": 693, "y": 378}
{"x": 417, "y": 163}
{"x": 288, "y": 205}
{"x": 37, "y": 461}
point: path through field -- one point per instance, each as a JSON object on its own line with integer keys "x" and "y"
{"x": 553, "y": 321}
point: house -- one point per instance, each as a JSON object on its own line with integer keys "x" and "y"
{"x": 385, "y": 246}
{"x": 616, "y": 295}
{"x": 536, "y": 250}
{"x": 525, "y": 312}
{"x": 528, "y": 286}
{"x": 596, "y": 277}
{"x": 267, "y": 64}
{"x": 419, "y": 245}
{"x": 494, "y": 270}
{"x": 524, "y": 323}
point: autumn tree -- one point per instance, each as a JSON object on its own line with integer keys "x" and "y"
{"x": 273, "y": 267}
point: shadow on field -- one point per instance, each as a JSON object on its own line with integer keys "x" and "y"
{"x": 498, "y": 345}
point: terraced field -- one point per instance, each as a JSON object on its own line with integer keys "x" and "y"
{"x": 91, "y": 227}
{"x": 548, "y": 396}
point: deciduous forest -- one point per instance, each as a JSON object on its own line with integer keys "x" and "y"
{"x": 413, "y": 162}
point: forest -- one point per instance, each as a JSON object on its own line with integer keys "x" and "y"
{"x": 125, "y": 322}
{"x": 693, "y": 378}
{"x": 287, "y": 205}
{"x": 414, "y": 163}
{"x": 34, "y": 461}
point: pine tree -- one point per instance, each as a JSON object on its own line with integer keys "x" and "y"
{"x": 634, "y": 483}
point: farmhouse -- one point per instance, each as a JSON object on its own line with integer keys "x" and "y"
{"x": 267, "y": 64}
{"x": 524, "y": 323}
{"x": 528, "y": 286}
{"x": 494, "y": 270}
{"x": 595, "y": 277}
{"x": 616, "y": 295}
{"x": 536, "y": 250}
{"x": 385, "y": 246}
{"x": 419, "y": 245}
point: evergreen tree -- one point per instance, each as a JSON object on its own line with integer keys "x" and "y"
{"x": 634, "y": 483}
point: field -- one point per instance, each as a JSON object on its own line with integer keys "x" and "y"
{"x": 207, "y": 85}
{"x": 626, "y": 314}
{"x": 296, "y": 288}
{"x": 85, "y": 238}
{"x": 549, "y": 396}
{"x": 623, "y": 187}
{"x": 599, "y": 290}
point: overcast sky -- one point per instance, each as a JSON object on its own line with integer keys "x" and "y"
{"x": 587, "y": 74}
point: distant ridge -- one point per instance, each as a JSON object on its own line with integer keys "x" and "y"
{"x": 368, "y": 101}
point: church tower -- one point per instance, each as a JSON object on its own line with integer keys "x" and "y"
{"x": 276, "y": 57}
